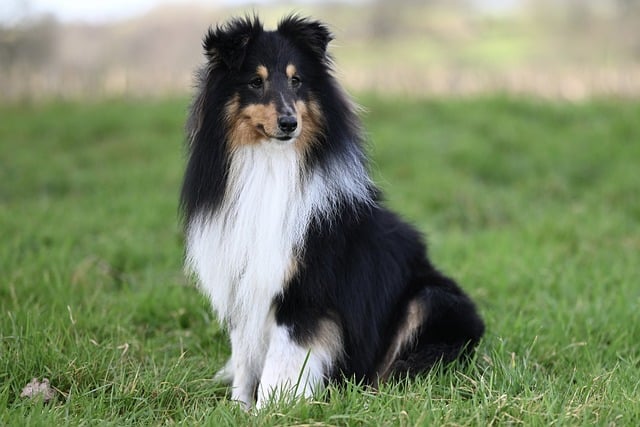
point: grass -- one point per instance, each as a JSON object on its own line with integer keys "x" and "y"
{"x": 532, "y": 206}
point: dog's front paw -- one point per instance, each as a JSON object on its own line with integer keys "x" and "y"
{"x": 282, "y": 393}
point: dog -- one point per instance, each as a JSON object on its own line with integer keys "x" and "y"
{"x": 286, "y": 234}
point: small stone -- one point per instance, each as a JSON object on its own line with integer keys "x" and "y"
{"x": 36, "y": 389}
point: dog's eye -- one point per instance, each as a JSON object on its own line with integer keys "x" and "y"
{"x": 295, "y": 82}
{"x": 256, "y": 83}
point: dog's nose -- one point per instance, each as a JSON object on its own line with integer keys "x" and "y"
{"x": 287, "y": 123}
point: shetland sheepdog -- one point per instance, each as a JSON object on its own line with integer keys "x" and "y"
{"x": 314, "y": 278}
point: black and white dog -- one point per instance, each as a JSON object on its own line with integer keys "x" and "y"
{"x": 315, "y": 279}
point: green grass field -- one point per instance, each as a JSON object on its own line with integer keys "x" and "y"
{"x": 533, "y": 206}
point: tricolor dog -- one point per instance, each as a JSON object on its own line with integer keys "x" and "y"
{"x": 315, "y": 279}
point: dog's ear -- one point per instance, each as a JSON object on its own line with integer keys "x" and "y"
{"x": 227, "y": 44}
{"x": 309, "y": 35}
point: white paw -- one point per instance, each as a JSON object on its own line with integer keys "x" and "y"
{"x": 225, "y": 375}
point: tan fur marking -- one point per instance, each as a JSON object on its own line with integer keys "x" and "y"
{"x": 292, "y": 269}
{"x": 264, "y": 118}
{"x": 404, "y": 337}
{"x": 310, "y": 118}
{"x": 262, "y": 72}
{"x": 291, "y": 70}
{"x": 251, "y": 124}
{"x": 256, "y": 122}
{"x": 329, "y": 336}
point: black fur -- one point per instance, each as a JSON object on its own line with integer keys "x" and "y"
{"x": 360, "y": 266}
{"x": 363, "y": 269}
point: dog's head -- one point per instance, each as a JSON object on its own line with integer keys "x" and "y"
{"x": 271, "y": 77}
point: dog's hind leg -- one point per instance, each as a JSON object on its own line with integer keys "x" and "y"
{"x": 225, "y": 374}
{"x": 449, "y": 328}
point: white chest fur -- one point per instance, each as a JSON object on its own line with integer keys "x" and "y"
{"x": 242, "y": 253}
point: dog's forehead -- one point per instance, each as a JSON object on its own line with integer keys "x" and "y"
{"x": 272, "y": 53}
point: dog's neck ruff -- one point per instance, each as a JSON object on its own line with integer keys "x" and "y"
{"x": 244, "y": 252}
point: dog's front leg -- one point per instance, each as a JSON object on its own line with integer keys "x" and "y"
{"x": 246, "y": 364}
{"x": 291, "y": 370}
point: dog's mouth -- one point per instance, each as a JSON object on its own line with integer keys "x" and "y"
{"x": 280, "y": 136}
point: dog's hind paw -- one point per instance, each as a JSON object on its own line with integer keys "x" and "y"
{"x": 225, "y": 375}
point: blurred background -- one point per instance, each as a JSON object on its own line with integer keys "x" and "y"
{"x": 551, "y": 48}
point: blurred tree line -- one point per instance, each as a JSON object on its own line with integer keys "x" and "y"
{"x": 389, "y": 18}
{"x": 28, "y": 44}
{"x": 37, "y": 53}
{"x": 580, "y": 23}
